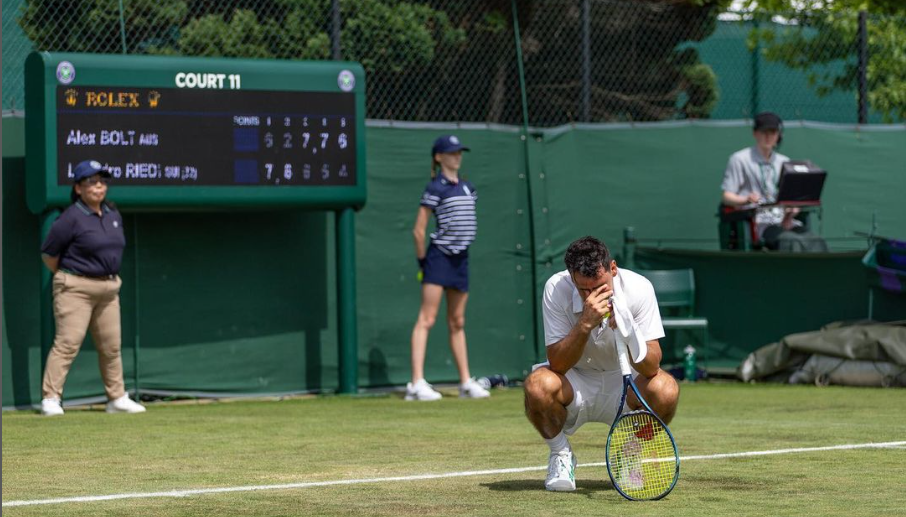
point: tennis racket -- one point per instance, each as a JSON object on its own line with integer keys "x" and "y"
{"x": 642, "y": 459}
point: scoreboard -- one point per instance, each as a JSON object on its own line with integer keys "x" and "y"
{"x": 196, "y": 132}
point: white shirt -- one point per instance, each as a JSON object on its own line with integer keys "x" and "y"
{"x": 749, "y": 171}
{"x": 562, "y": 307}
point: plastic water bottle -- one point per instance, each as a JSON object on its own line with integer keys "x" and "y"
{"x": 689, "y": 368}
{"x": 493, "y": 381}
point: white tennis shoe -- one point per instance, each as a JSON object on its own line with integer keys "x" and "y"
{"x": 421, "y": 390}
{"x": 51, "y": 407}
{"x": 561, "y": 472}
{"x": 472, "y": 390}
{"x": 124, "y": 405}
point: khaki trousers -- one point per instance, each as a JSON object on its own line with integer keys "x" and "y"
{"x": 83, "y": 304}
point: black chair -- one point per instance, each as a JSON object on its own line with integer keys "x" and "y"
{"x": 736, "y": 229}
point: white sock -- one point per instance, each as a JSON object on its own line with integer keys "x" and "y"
{"x": 558, "y": 443}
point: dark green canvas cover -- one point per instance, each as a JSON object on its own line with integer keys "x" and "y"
{"x": 842, "y": 353}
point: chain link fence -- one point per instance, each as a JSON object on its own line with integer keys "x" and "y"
{"x": 831, "y": 67}
{"x": 456, "y": 61}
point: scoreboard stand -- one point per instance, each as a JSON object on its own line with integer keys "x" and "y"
{"x": 189, "y": 134}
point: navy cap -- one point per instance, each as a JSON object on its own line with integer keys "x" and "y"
{"x": 447, "y": 144}
{"x": 767, "y": 120}
{"x": 87, "y": 169}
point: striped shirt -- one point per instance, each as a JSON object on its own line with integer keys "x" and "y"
{"x": 454, "y": 208}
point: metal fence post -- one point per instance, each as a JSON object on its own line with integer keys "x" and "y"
{"x": 586, "y": 62}
{"x": 863, "y": 67}
{"x": 629, "y": 243}
{"x": 123, "y": 27}
{"x": 526, "y": 142}
{"x": 755, "y": 65}
{"x": 335, "y": 20}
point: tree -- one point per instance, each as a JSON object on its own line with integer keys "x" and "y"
{"x": 394, "y": 40}
{"x": 820, "y": 37}
{"x": 94, "y": 25}
{"x": 641, "y": 68}
{"x": 442, "y": 60}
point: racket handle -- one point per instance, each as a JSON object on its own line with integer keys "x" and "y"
{"x": 623, "y": 356}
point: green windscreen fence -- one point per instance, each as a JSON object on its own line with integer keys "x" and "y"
{"x": 499, "y": 312}
{"x": 233, "y": 302}
{"x": 665, "y": 180}
{"x": 244, "y": 303}
{"x": 752, "y": 299}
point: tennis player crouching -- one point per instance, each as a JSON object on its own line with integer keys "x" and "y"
{"x": 581, "y": 380}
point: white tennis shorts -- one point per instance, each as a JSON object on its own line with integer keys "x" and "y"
{"x": 597, "y": 395}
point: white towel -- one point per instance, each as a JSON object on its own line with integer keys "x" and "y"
{"x": 627, "y": 330}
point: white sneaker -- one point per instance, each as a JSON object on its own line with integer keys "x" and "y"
{"x": 51, "y": 407}
{"x": 124, "y": 405}
{"x": 421, "y": 390}
{"x": 472, "y": 390}
{"x": 561, "y": 472}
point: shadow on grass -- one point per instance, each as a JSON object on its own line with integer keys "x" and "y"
{"x": 583, "y": 486}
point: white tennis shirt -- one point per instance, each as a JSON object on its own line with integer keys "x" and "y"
{"x": 562, "y": 307}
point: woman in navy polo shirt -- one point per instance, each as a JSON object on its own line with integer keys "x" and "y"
{"x": 84, "y": 250}
{"x": 444, "y": 265}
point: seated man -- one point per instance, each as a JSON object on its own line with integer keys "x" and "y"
{"x": 581, "y": 381}
{"x": 752, "y": 178}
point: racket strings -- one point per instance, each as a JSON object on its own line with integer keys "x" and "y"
{"x": 641, "y": 458}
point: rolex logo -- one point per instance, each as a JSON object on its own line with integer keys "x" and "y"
{"x": 153, "y": 98}
{"x": 72, "y": 96}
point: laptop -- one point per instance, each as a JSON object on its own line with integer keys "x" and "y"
{"x": 801, "y": 183}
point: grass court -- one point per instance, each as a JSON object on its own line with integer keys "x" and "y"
{"x": 381, "y": 456}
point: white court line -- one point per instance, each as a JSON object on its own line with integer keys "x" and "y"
{"x": 252, "y": 488}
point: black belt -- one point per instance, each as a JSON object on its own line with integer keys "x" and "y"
{"x": 102, "y": 277}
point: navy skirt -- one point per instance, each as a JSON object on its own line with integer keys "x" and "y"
{"x": 446, "y": 270}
